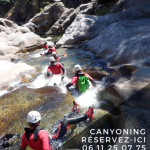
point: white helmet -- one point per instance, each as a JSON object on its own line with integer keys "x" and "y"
{"x": 33, "y": 117}
{"x": 77, "y": 68}
{"x": 53, "y": 53}
{"x": 51, "y": 59}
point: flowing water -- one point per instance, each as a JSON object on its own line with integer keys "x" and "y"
{"x": 40, "y": 93}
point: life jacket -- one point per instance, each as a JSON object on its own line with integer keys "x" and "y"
{"x": 35, "y": 131}
{"x": 35, "y": 136}
{"x": 83, "y": 82}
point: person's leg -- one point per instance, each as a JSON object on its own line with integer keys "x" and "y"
{"x": 75, "y": 120}
{"x": 64, "y": 125}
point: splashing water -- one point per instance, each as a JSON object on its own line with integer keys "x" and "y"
{"x": 89, "y": 98}
{"x": 53, "y": 80}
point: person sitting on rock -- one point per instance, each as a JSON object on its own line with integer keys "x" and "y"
{"x": 55, "y": 68}
{"x": 45, "y": 45}
{"x": 34, "y": 136}
{"x": 38, "y": 138}
{"x": 81, "y": 79}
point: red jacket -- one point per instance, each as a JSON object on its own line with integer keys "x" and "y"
{"x": 56, "y": 68}
{"x": 57, "y": 58}
{"x": 42, "y": 142}
{"x": 45, "y": 46}
{"x": 50, "y": 50}
{"x": 76, "y": 77}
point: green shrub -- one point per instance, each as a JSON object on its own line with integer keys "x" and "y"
{"x": 103, "y": 11}
{"x": 41, "y": 9}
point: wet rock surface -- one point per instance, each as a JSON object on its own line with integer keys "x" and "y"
{"x": 123, "y": 26}
{"x": 46, "y": 19}
{"x": 127, "y": 70}
{"x": 18, "y": 103}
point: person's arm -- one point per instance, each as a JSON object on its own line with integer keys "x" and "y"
{"x": 68, "y": 85}
{"x": 48, "y": 72}
{"x": 48, "y": 52}
{"x": 23, "y": 144}
{"x": 44, "y": 138}
{"x": 91, "y": 79}
{"x": 74, "y": 80}
{"x": 62, "y": 68}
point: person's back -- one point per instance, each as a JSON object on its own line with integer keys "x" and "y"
{"x": 41, "y": 142}
{"x": 51, "y": 49}
{"x": 78, "y": 80}
{"x": 55, "y": 68}
{"x": 35, "y": 137}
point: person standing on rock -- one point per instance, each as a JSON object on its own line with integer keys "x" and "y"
{"x": 55, "y": 68}
{"x": 81, "y": 79}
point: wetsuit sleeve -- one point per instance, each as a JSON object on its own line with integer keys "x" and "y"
{"x": 44, "y": 138}
{"x": 48, "y": 69}
{"x": 23, "y": 144}
{"x": 74, "y": 80}
{"x": 93, "y": 83}
{"x": 63, "y": 126}
{"x": 68, "y": 85}
{"x": 48, "y": 52}
{"x": 62, "y": 68}
{"x": 91, "y": 79}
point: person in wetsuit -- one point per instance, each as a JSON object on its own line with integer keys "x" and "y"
{"x": 45, "y": 45}
{"x": 56, "y": 41}
{"x": 56, "y": 56}
{"x": 65, "y": 123}
{"x": 37, "y": 138}
{"x": 75, "y": 78}
{"x": 55, "y": 67}
{"x": 50, "y": 50}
